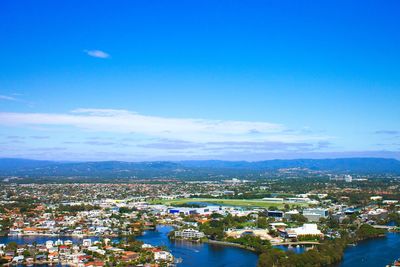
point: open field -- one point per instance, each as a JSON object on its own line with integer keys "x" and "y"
{"x": 251, "y": 203}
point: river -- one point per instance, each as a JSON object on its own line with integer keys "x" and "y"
{"x": 200, "y": 254}
{"x": 373, "y": 252}
{"x": 370, "y": 253}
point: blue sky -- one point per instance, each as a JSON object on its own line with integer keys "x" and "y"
{"x": 151, "y": 80}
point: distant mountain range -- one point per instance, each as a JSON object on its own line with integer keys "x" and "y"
{"x": 190, "y": 169}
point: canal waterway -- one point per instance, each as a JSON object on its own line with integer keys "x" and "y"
{"x": 370, "y": 253}
{"x": 200, "y": 254}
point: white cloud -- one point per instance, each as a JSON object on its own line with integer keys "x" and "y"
{"x": 97, "y": 53}
{"x": 9, "y": 98}
{"x": 14, "y": 97}
{"x": 188, "y": 129}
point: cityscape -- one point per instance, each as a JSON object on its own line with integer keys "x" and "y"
{"x": 285, "y": 219}
{"x": 199, "y": 133}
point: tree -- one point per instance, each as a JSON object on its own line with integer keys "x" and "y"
{"x": 12, "y": 246}
{"x": 299, "y": 218}
{"x": 262, "y": 222}
{"x": 26, "y": 253}
{"x": 367, "y": 231}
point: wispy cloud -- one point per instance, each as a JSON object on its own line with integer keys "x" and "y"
{"x": 99, "y": 143}
{"x": 15, "y": 97}
{"x": 166, "y": 144}
{"x": 97, "y": 53}
{"x": 47, "y": 149}
{"x": 229, "y": 146}
{"x": 15, "y": 137}
{"x": 38, "y": 137}
{"x": 388, "y": 132}
{"x": 187, "y": 129}
{"x": 8, "y": 98}
{"x": 123, "y": 131}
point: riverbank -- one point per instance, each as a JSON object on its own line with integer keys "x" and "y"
{"x": 372, "y": 252}
{"x": 230, "y": 244}
{"x": 281, "y": 246}
{"x": 195, "y": 254}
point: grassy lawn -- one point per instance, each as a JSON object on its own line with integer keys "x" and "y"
{"x": 230, "y": 202}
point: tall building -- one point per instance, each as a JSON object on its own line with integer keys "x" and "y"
{"x": 313, "y": 215}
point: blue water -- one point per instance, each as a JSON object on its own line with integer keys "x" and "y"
{"x": 200, "y": 255}
{"x": 373, "y": 252}
{"x": 370, "y": 253}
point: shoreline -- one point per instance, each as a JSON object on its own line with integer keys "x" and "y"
{"x": 230, "y": 244}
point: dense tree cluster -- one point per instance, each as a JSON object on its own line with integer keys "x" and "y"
{"x": 366, "y": 231}
{"x": 326, "y": 254}
{"x": 215, "y": 228}
{"x": 253, "y": 242}
{"x": 77, "y": 208}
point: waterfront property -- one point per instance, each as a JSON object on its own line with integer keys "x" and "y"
{"x": 189, "y": 234}
{"x": 307, "y": 229}
{"x": 195, "y": 254}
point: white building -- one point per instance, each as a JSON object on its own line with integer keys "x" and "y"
{"x": 313, "y": 215}
{"x": 306, "y": 229}
{"x": 390, "y": 201}
{"x": 49, "y": 244}
{"x": 273, "y": 199}
{"x": 348, "y": 178}
{"x": 163, "y": 256}
{"x": 87, "y": 242}
{"x": 189, "y": 233}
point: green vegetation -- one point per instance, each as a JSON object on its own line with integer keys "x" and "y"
{"x": 366, "y": 231}
{"x": 395, "y": 218}
{"x": 326, "y": 254}
{"x": 309, "y": 238}
{"x": 299, "y": 218}
{"x": 77, "y": 208}
{"x": 23, "y": 204}
{"x": 126, "y": 210}
{"x": 253, "y": 242}
{"x": 215, "y": 228}
{"x": 12, "y": 246}
{"x": 262, "y": 222}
